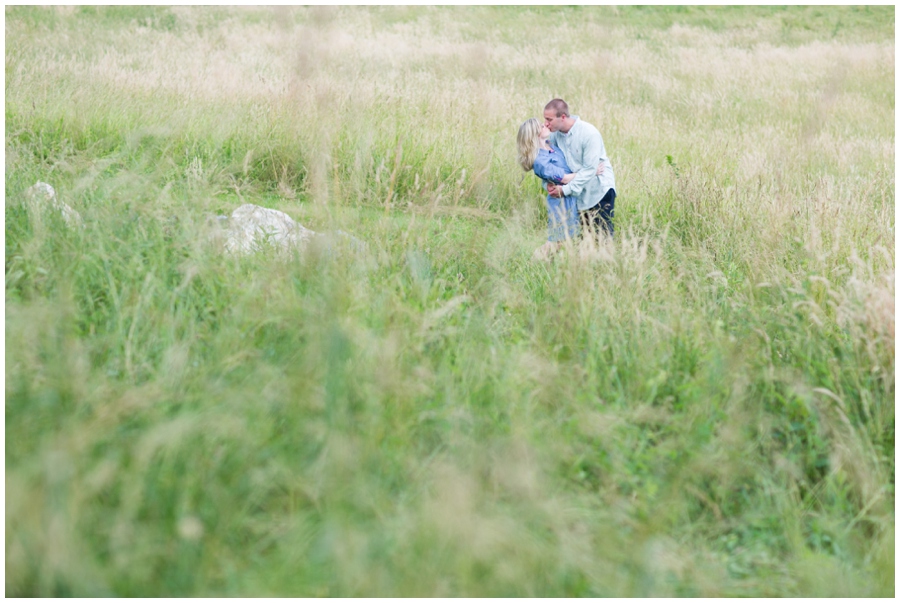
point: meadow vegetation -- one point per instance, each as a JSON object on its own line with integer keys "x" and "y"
{"x": 702, "y": 407}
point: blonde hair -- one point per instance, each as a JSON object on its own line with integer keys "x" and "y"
{"x": 528, "y": 142}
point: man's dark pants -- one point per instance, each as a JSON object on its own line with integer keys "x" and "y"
{"x": 601, "y": 215}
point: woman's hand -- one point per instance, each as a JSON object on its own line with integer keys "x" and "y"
{"x": 600, "y": 168}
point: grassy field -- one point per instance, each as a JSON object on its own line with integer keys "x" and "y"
{"x": 703, "y": 407}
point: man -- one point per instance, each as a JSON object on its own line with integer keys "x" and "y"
{"x": 584, "y": 150}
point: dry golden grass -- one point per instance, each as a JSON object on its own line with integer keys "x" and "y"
{"x": 701, "y": 407}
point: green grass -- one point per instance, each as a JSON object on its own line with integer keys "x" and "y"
{"x": 704, "y": 407}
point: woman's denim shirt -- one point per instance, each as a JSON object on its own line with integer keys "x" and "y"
{"x": 551, "y": 165}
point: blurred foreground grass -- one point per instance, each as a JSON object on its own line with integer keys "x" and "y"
{"x": 704, "y": 407}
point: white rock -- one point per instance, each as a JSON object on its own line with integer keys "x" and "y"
{"x": 42, "y": 196}
{"x": 251, "y": 228}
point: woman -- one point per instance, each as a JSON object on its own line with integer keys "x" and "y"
{"x": 549, "y": 164}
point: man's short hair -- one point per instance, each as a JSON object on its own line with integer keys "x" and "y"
{"x": 559, "y": 106}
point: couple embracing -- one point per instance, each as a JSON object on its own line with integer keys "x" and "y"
{"x": 569, "y": 156}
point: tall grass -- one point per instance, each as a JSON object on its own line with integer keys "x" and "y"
{"x": 702, "y": 407}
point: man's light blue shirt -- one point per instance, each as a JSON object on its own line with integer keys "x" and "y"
{"x": 583, "y": 149}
